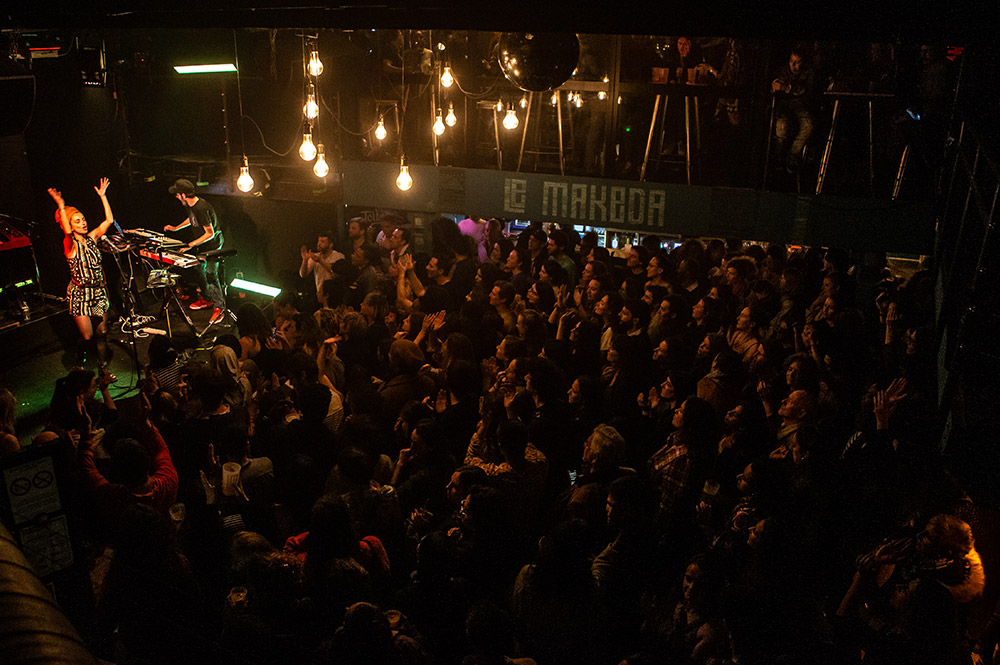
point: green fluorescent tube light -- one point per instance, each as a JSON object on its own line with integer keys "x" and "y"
{"x": 205, "y": 69}
{"x": 262, "y": 289}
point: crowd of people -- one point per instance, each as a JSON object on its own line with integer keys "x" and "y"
{"x": 523, "y": 449}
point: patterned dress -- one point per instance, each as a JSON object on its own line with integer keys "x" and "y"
{"x": 87, "y": 293}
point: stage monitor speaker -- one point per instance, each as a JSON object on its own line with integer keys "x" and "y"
{"x": 18, "y": 95}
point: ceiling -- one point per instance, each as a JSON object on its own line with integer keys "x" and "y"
{"x": 829, "y": 19}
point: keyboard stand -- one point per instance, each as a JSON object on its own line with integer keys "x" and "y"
{"x": 221, "y": 255}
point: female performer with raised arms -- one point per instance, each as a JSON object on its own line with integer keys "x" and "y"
{"x": 87, "y": 291}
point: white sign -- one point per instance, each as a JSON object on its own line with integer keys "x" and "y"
{"x": 46, "y": 545}
{"x": 32, "y": 489}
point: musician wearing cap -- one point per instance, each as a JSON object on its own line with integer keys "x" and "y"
{"x": 205, "y": 234}
{"x": 87, "y": 291}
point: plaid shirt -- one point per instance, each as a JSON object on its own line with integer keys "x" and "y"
{"x": 670, "y": 471}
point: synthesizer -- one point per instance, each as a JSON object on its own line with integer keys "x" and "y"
{"x": 145, "y": 235}
{"x": 170, "y": 258}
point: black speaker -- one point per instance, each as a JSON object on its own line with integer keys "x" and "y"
{"x": 18, "y": 93}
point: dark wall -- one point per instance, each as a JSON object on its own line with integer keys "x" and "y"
{"x": 71, "y": 142}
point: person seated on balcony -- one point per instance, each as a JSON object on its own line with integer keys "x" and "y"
{"x": 794, "y": 116}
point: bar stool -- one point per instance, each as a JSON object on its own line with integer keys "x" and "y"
{"x": 868, "y": 97}
{"x": 690, "y": 97}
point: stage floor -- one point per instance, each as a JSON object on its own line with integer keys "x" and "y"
{"x": 42, "y": 348}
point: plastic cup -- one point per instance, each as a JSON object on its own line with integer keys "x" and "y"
{"x": 230, "y": 478}
{"x": 177, "y": 513}
{"x": 237, "y": 597}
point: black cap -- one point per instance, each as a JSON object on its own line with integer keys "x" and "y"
{"x": 182, "y": 186}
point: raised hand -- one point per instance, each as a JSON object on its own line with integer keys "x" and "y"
{"x": 103, "y": 187}
{"x": 886, "y": 402}
{"x": 151, "y": 385}
{"x": 56, "y": 196}
{"x": 441, "y": 402}
{"x": 807, "y": 336}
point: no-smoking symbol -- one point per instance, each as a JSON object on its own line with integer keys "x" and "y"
{"x": 20, "y": 486}
{"x": 42, "y": 479}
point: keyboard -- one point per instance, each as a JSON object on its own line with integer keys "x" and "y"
{"x": 170, "y": 258}
{"x": 11, "y": 238}
{"x": 148, "y": 236}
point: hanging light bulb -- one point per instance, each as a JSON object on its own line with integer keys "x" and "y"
{"x": 321, "y": 168}
{"x": 499, "y": 106}
{"x": 524, "y": 101}
{"x": 380, "y": 132}
{"x": 311, "y": 108}
{"x": 578, "y": 102}
{"x": 446, "y": 78}
{"x": 245, "y": 182}
{"x": 450, "y": 119}
{"x": 510, "y": 120}
{"x": 307, "y": 150}
{"x": 438, "y": 124}
{"x": 603, "y": 95}
{"x": 315, "y": 64}
{"x": 403, "y": 180}
{"x": 555, "y": 98}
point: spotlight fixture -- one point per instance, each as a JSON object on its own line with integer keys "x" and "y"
{"x": 450, "y": 119}
{"x": 404, "y": 181}
{"x": 254, "y": 287}
{"x": 315, "y": 64}
{"x": 307, "y": 150}
{"x": 446, "y": 77}
{"x": 380, "y": 132}
{"x": 321, "y": 168}
{"x": 438, "y": 124}
{"x": 245, "y": 182}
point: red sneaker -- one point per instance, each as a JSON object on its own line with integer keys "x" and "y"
{"x": 217, "y": 316}
{"x": 200, "y": 303}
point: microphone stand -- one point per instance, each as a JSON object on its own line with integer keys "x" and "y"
{"x": 129, "y": 322}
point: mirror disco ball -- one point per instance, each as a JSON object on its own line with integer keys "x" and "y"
{"x": 536, "y": 62}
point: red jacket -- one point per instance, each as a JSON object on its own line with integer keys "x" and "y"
{"x": 112, "y": 498}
